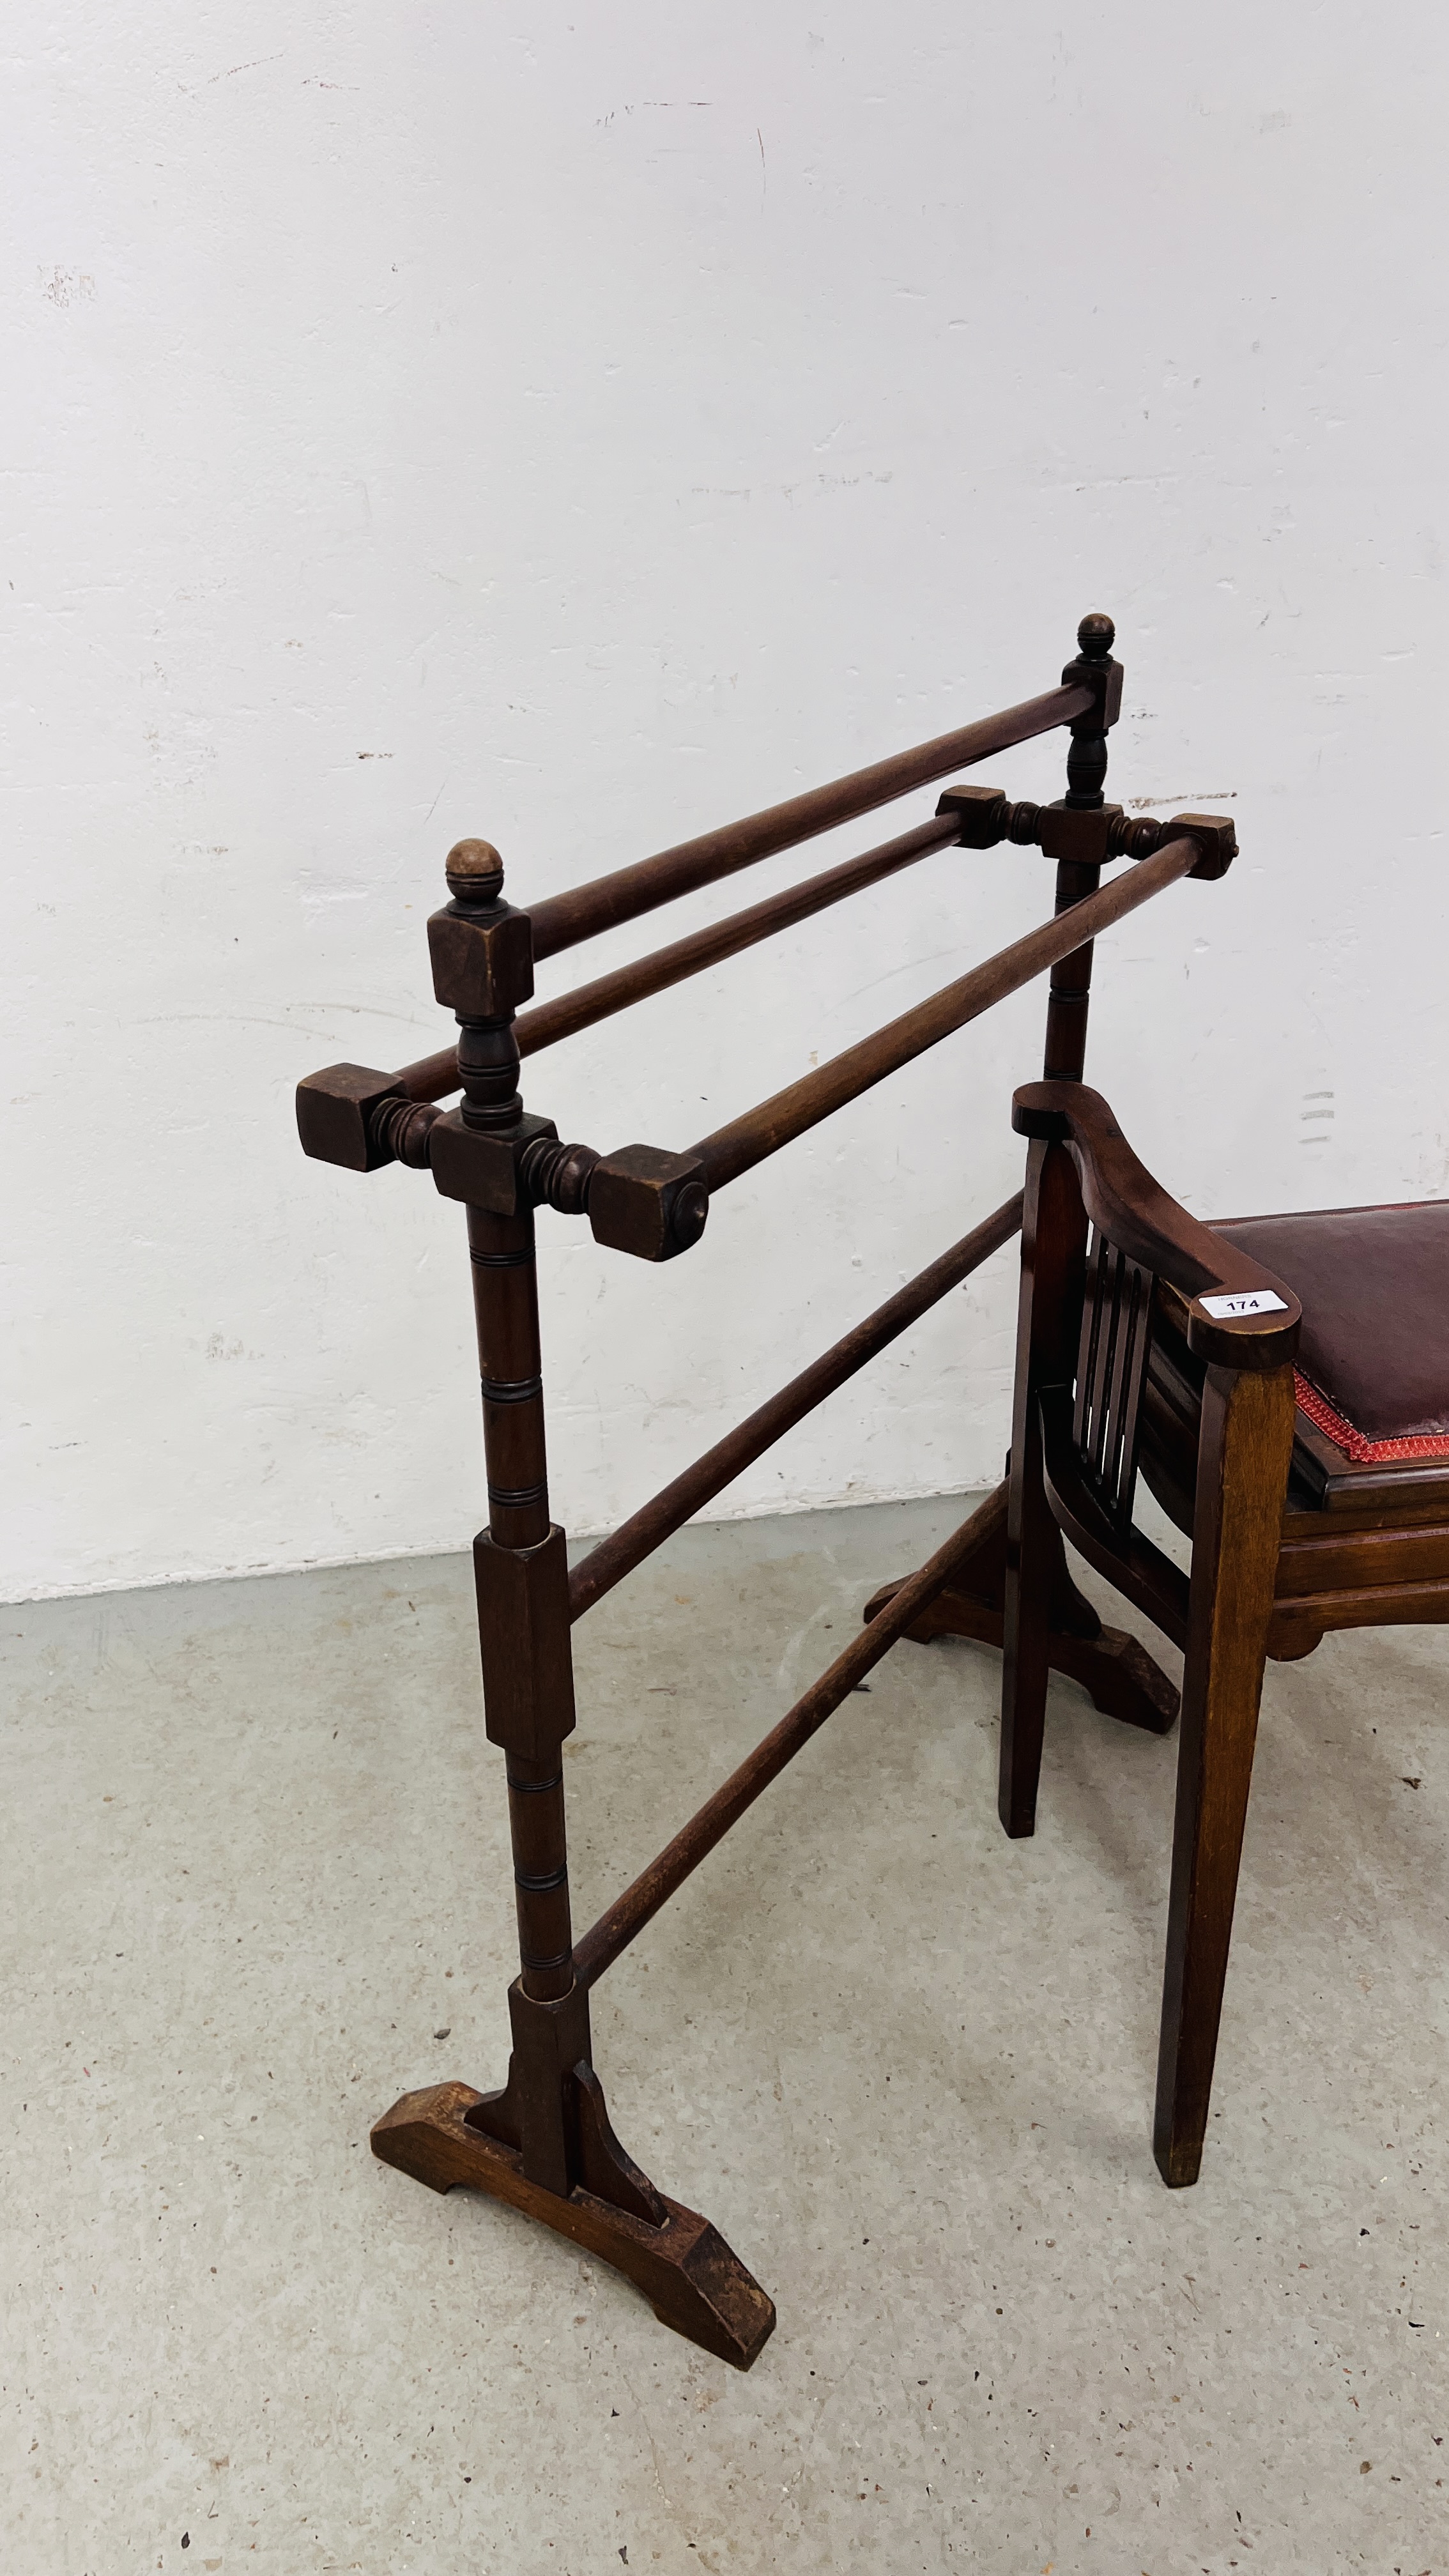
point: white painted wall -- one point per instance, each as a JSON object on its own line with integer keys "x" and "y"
{"x": 582, "y": 426}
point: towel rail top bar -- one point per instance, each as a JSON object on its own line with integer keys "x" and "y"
{"x": 654, "y": 1202}
{"x": 971, "y": 818}
{"x": 563, "y": 920}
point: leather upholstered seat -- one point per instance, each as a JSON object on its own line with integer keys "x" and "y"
{"x": 1373, "y": 1361}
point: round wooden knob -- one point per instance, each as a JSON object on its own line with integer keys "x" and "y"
{"x": 1096, "y": 636}
{"x": 474, "y": 872}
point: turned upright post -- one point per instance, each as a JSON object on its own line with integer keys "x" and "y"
{"x": 1077, "y": 874}
{"x": 482, "y": 969}
{"x": 1041, "y": 1605}
{"x": 1080, "y": 831}
{"x": 544, "y": 2142}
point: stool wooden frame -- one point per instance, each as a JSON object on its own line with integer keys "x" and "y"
{"x": 1122, "y": 1370}
{"x": 544, "y": 2142}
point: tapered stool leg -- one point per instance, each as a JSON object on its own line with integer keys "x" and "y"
{"x": 1244, "y": 1448}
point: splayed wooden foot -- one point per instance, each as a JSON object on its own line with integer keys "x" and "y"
{"x": 683, "y": 2265}
{"x": 1118, "y": 1675}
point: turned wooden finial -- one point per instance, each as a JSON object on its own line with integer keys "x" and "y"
{"x": 482, "y": 969}
{"x": 1087, "y": 757}
{"x": 474, "y": 872}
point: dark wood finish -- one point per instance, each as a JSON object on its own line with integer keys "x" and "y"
{"x": 1053, "y": 1234}
{"x": 1246, "y": 1438}
{"x": 482, "y": 956}
{"x": 474, "y": 871}
{"x": 1130, "y": 1208}
{"x": 1082, "y": 833}
{"x": 561, "y": 921}
{"x": 968, "y": 818}
{"x": 974, "y": 818}
{"x": 1111, "y": 1361}
{"x": 647, "y": 1202}
{"x": 1365, "y": 1547}
{"x": 1079, "y": 1418}
{"x": 435, "y": 1077}
{"x": 1118, "y": 1675}
{"x": 748, "y": 1140}
{"x": 1086, "y": 835}
{"x": 1287, "y": 1542}
{"x": 1082, "y": 1353}
{"x": 641, "y": 1901}
{"x": 641, "y": 1199}
{"x": 1327, "y": 1492}
{"x": 523, "y": 1593}
{"x": 1340, "y": 1484}
{"x": 1106, "y": 1538}
{"x": 1386, "y": 1569}
{"x": 544, "y": 2141}
{"x": 336, "y": 1113}
{"x": 484, "y": 1166}
{"x": 589, "y": 1003}
{"x": 1079, "y": 877}
{"x": 652, "y": 1203}
{"x": 1113, "y": 1668}
{"x": 683, "y": 2266}
{"x": 667, "y": 1511}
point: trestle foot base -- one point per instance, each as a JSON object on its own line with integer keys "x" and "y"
{"x": 1118, "y": 1675}
{"x": 683, "y": 2266}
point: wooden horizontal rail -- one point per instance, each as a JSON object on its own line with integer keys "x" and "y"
{"x": 436, "y": 1076}
{"x": 433, "y": 1077}
{"x": 617, "y": 1926}
{"x": 667, "y": 1511}
{"x": 761, "y": 1132}
{"x": 685, "y": 957}
{"x": 562, "y": 920}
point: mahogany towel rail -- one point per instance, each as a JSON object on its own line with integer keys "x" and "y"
{"x": 544, "y": 2142}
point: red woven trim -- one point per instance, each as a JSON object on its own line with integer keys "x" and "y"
{"x": 1364, "y": 1453}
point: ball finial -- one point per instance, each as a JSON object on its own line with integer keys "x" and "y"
{"x": 475, "y": 872}
{"x": 1096, "y": 636}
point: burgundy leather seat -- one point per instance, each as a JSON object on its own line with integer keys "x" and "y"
{"x": 1373, "y": 1361}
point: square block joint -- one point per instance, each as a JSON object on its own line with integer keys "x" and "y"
{"x": 1069, "y": 833}
{"x": 648, "y": 1202}
{"x": 482, "y": 1169}
{"x": 981, "y": 812}
{"x": 1106, "y": 679}
{"x": 1216, "y": 840}
{"x": 482, "y": 959}
{"x": 334, "y": 1111}
{"x": 523, "y": 1637}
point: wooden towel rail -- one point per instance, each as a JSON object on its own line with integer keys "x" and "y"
{"x": 544, "y": 2142}
{"x": 655, "y": 1521}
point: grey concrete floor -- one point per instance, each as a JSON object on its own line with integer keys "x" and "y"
{"x": 256, "y": 1886}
